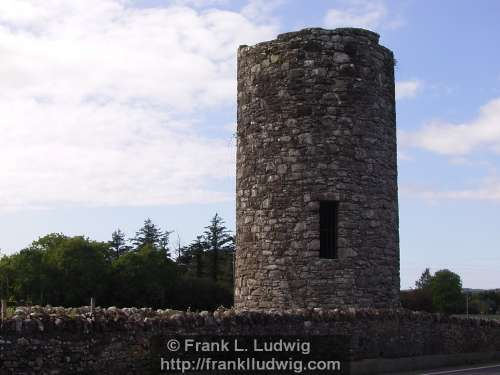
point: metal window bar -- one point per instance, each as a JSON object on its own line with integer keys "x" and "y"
{"x": 328, "y": 212}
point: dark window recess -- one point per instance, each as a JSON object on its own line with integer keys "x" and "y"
{"x": 328, "y": 217}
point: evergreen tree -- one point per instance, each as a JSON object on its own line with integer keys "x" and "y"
{"x": 67, "y": 271}
{"x": 199, "y": 247}
{"x": 192, "y": 257}
{"x": 218, "y": 239}
{"x": 424, "y": 282}
{"x": 164, "y": 242}
{"x": 178, "y": 248}
{"x": 149, "y": 234}
{"x": 118, "y": 244}
{"x": 145, "y": 278}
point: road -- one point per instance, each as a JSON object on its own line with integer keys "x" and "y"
{"x": 469, "y": 370}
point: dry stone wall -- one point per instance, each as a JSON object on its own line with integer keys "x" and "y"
{"x": 316, "y": 122}
{"x": 53, "y": 341}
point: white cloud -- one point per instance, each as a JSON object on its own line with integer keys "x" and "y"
{"x": 368, "y": 14}
{"x": 404, "y": 156}
{"x": 261, "y": 10}
{"x": 199, "y": 3}
{"x": 95, "y": 100}
{"x": 488, "y": 190}
{"x": 408, "y": 89}
{"x": 446, "y": 138}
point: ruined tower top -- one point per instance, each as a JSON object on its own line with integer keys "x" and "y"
{"x": 317, "y": 207}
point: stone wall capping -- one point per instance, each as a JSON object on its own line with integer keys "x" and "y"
{"x": 45, "y": 322}
{"x": 342, "y": 31}
{"x": 316, "y": 32}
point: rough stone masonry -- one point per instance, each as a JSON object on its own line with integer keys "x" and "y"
{"x": 58, "y": 341}
{"x": 316, "y": 123}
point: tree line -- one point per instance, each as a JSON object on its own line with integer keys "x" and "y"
{"x": 144, "y": 270}
{"x": 442, "y": 292}
{"x": 147, "y": 270}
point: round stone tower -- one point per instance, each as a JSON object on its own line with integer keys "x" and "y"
{"x": 316, "y": 185}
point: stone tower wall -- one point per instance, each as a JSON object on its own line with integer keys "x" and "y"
{"x": 316, "y": 121}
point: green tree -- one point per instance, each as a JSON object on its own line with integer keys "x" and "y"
{"x": 201, "y": 294}
{"x": 164, "y": 243}
{"x": 192, "y": 256}
{"x": 56, "y": 269}
{"x": 27, "y": 277}
{"x": 144, "y": 278}
{"x": 149, "y": 234}
{"x": 153, "y": 236}
{"x": 80, "y": 271}
{"x": 417, "y": 299}
{"x": 446, "y": 287}
{"x": 61, "y": 270}
{"x": 30, "y": 280}
{"x": 48, "y": 241}
{"x": 218, "y": 240}
{"x": 424, "y": 282}
{"x": 485, "y": 302}
{"x": 118, "y": 244}
{"x": 6, "y": 277}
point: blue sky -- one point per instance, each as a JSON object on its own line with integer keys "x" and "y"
{"x": 114, "y": 111}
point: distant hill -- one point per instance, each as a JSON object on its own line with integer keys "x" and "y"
{"x": 468, "y": 290}
{"x": 473, "y": 291}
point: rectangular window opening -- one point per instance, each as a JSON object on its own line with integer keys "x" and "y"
{"x": 328, "y": 218}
